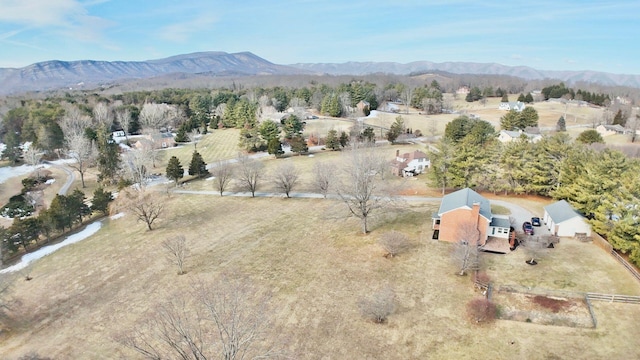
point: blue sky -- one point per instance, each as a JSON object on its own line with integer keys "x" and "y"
{"x": 549, "y": 35}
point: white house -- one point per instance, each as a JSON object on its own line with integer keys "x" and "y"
{"x": 410, "y": 164}
{"x": 508, "y": 106}
{"x": 562, "y": 220}
{"x": 506, "y": 136}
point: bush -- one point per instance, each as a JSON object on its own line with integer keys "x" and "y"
{"x": 379, "y": 305}
{"x": 18, "y": 206}
{"x": 394, "y": 243}
{"x": 481, "y": 310}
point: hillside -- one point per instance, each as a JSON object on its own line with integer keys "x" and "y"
{"x": 56, "y": 74}
{"x": 203, "y": 66}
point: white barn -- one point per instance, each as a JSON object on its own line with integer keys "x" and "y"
{"x": 563, "y": 220}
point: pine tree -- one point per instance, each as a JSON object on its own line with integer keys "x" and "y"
{"x": 344, "y": 139}
{"x": 274, "y": 147}
{"x": 561, "y": 125}
{"x": 181, "y": 136}
{"x": 332, "y": 141}
{"x": 197, "y": 167}
{"x": 521, "y": 97}
{"x": 101, "y": 200}
{"x": 528, "y": 99}
{"x": 174, "y": 170}
{"x": 505, "y": 97}
{"x": 108, "y": 156}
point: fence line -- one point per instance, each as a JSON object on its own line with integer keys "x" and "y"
{"x": 593, "y": 314}
{"x": 626, "y": 264}
{"x": 614, "y": 298}
{"x": 606, "y": 246}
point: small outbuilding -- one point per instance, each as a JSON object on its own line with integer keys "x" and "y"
{"x": 563, "y": 220}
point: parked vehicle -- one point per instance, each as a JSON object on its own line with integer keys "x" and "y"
{"x": 527, "y": 228}
{"x": 535, "y": 221}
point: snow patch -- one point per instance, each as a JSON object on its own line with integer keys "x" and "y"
{"x": 116, "y": 216}
{"x": 42, "y": 252}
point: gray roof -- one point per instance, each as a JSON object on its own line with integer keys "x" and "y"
{"x": 465, "y": 198}
{"x": 500, "y": 222}
{"x": 561, "y": 211}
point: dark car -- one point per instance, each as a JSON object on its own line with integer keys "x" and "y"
{"x": 535, "y": 221}
{"x": 527, "y": 228}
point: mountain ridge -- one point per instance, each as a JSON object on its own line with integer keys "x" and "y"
{"x": 58, "y": 74}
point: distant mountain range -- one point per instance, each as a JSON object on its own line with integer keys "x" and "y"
{"x": 51, "y": 75}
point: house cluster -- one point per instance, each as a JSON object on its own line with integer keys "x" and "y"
{"x": 508, "y": 106}
{"x": 465, "y": 215}
{"x": 410, "y": 164}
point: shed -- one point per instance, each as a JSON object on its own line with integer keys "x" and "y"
{"x": 563, "y": 220}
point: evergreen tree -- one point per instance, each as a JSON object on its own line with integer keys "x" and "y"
{"x": 269, "y": 129}
{"x": 274, "y": 147}
{"x": 521, "y": 97}
{"x": 76, "y": 206}
{"x": 12, "y": 150}
{"x": 109, "y": 160}
{"x": 292, "y": 126}
{"x": 181, "y": 135}
{"x": 589, "y": 137}
{"x": 561, "y": 124}
{"x": 197, "y": 167}
{"x": 619, "y": 118}
{"x": 344, "y": 139}
{"x": 505, "y": 97}
{"x": 529, "y": 98}
{"x": 298, "y": 144}
{"x": 397, "y": 129}
{"x": 101, "y": 200}
{"x": 368, "y": 135}
{"x": 174, "y": 170}
{"x": 332, "y": 141}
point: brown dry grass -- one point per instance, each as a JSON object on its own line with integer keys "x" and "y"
{"x": 316, "y": 264}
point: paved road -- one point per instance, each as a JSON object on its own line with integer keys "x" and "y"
{"x": 71, "y": 177}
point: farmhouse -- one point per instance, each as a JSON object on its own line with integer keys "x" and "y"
{"x": 409, "y": 164}
{"x": 506, "y": 136}
{"x": 563, "y": 220}
{"x": 508, "y": 106}
{"x": 466, "y": 209}
{"x": 157, "y": 141}
{"x": 606, "y": 130}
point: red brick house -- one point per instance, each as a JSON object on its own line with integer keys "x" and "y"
{"x": 467, "y": 211}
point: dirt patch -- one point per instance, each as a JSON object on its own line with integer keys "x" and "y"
{"x": 543, "y": 310}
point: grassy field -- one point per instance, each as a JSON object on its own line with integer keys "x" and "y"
{"x": 313, "y": 260}
{"x": 317, "y": 266}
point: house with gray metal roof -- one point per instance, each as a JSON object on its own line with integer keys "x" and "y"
{"x": 563, "y": 220}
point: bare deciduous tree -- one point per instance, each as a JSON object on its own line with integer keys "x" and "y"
{"x": 394, "y": 243}
{"x": 74, "y": 121}
{"x": 534, "y": 248}
{"x": 286, "y": 177}
{"x": 227, "y": 319}
{"x": 222, "y": 173}
{"x": 146, "y": 206}
{"x": 465, "y": 252}
{"x": 323, "y": 177}
{"x": 153, "y": 115}
{"x": 32, "y": 156}
{"x": 363, "y": 187}
{"x": 102, "y": 115}
{"x": 123, "y": 117}
{"x": 250, "y": 173}
{"x": 177, "y": 251}
{"x": 378, "y": 306}
{"x": 83, "y": 151}
{"x": 136, "y": 164}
